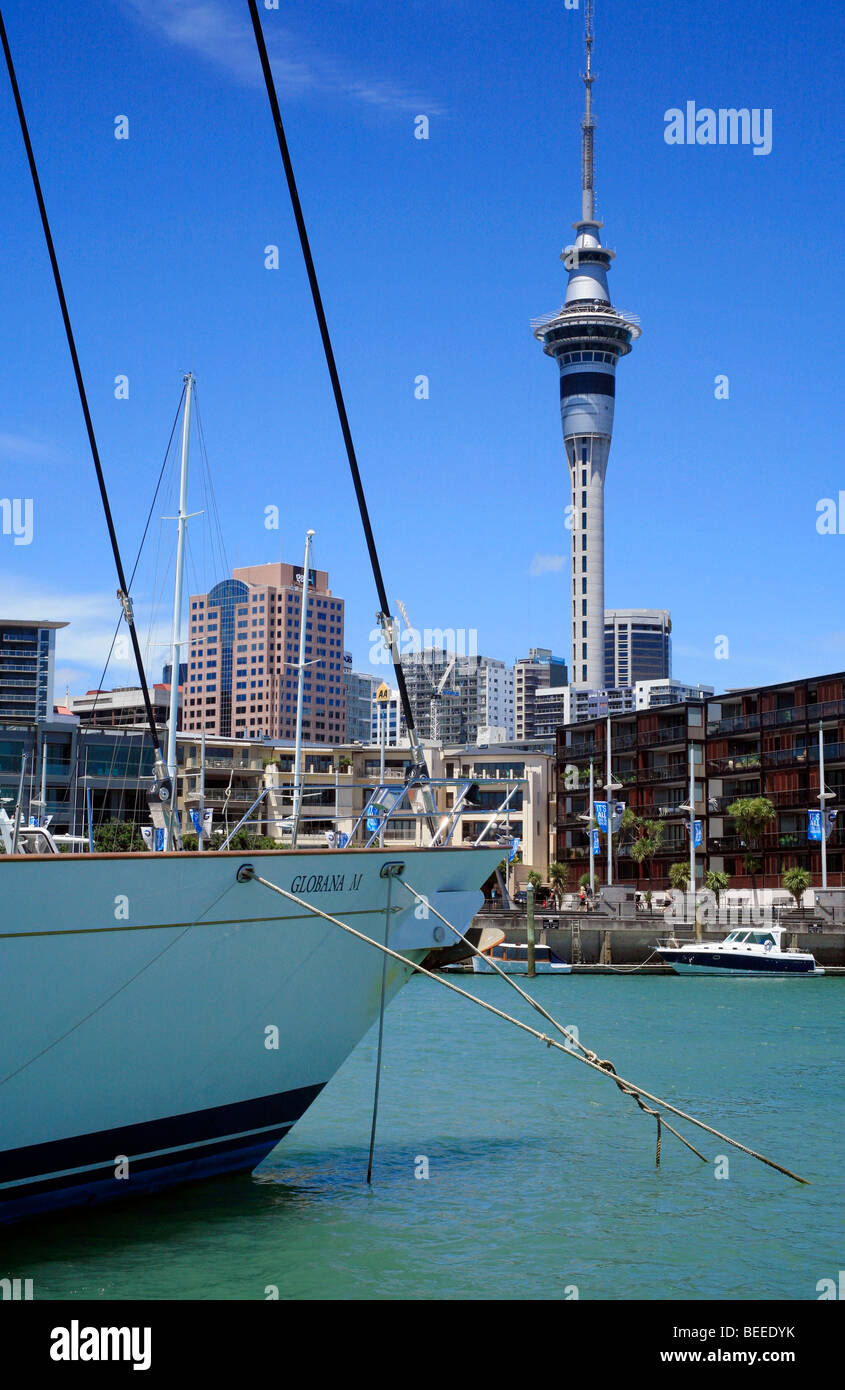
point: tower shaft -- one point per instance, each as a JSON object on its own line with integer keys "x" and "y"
{"x": 587, "y": 336}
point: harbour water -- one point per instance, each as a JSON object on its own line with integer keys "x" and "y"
{"x": 541, "y": 1177}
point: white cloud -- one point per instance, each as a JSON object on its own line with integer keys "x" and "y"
{"x": 15, "y": 447}
{"x": 218, "y": 32}
{"x": 83, "y": 646}
{"x": 547, "y": 564}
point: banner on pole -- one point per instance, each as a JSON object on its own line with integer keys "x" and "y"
{"x": 618, "y": 813}
{"x": 600, "y": 812}
{"x": 814, "y": 825}
{"x": 697, "y": 836}
{"x": 829, "y": 823}
{"x": 514, "y": 849}
{"x": 596, "y": 841}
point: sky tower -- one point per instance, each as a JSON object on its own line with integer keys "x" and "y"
{"x": 587, "y": 336}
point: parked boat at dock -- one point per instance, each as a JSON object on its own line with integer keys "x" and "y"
{"x": 512, "y": 958}
{"x": 743, "y": 952}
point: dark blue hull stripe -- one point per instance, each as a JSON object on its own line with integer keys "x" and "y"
{"x": 198, "y": 1136}
{"x": 758, "y": 965}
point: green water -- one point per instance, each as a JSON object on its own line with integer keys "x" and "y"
{"x": 541, "y": 1174}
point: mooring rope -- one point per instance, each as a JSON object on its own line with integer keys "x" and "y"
{"x": 247, "y": 873}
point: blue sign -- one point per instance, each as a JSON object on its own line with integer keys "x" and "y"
{"x": 596, "y": 841}
{"x": 158, "y": 839}
{"x": 514, "y": 850}
{"x": 697, "y": 837}
{"x": 814, "y": 826}
{"x": 197, "y": 820}
{"x": 342, "y": 839}
{"x": 372, "y": 822}
{"x": 600, "y": 811}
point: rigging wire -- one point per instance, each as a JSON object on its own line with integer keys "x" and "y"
{"x": 123, "y": 592}
{"x": 385, "y": 615}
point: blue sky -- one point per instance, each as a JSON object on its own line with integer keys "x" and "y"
{"x": 433, "y": 256}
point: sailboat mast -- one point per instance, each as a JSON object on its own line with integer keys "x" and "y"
{"x": 178, "y": 586}
{"x": 300, "y": 690}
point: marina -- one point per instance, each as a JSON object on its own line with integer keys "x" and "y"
{"x": 454, "y": 978}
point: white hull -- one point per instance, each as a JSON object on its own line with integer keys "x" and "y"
{"x": 140, "y": 993}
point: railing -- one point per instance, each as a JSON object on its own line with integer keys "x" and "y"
{"x": 675, "y": 733}
{"x": 828, "y": 709}
{"x": 742, "y": 762}
{"x": 732, "y": 724}
{"x": 662, "y": 774}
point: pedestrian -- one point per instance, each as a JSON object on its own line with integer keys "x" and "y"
{"x": 582, "y": 899}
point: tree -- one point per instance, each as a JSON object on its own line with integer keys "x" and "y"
{"x": 584, "y": 881}
{"x": 717, "y": 882}
{"x": 751, "y": 815}
{"x": 117, "y": 836}
{"x": 534, "y": 878}
{"x": 679, "y": 876}
{"x": 649, "y": 837}
{"x": 558, "y": 878}
{"x": 796, "y": 881}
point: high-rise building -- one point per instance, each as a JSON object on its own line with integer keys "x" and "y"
{"x": 360, "y": 690}
{"x": 244, "y": 651}
{"x": 453, "y": 696}
{"x": 586, "y": 337}
{"x": 27, "y": 668}
{"x": 537, "y": 670}
{"x": 637, "y": 645}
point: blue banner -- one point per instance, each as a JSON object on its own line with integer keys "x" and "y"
{"x": 197, "y": 820}
{"x": 596, "y": 841}
{"x": 372, "y": 822}
{"x": 697, "y": 837}
{"x": 342, "y": 839}
{"x": 600, "y": 812}
{"x": 814, "y": 825}
{"x": 514, "y": 850}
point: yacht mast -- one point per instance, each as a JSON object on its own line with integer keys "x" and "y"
{"x": 176, "y": 631}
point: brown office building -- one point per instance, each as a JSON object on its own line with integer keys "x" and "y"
{"x": 243, "y": 655}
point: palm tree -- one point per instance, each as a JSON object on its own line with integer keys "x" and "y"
{"x": 649, "y": 837}
{"x": 535, "y": 879}
{"x": 558, "y": 878}
{"x": 751, "y": 815}
{"x": 717, "y": 882}
{"x": 679, "y": 876}
{"x": 796, "y": 881}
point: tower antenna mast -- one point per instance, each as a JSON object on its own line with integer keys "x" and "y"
{"x": 588, "y": 125}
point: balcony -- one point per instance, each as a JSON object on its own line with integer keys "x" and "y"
{"x": 830, "y": 709}
{"x": 734, "y": 724}
{"x": 674, "y": 733}
{"x": 738, "y": 762}
{"x": 676, "y": 772}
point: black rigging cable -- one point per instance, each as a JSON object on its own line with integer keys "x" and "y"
{"x": 335, "y": 380}
{"x": 123, "y": 593}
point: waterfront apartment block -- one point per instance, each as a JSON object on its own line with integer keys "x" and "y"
{"x": 244, "y": 650}
{"x": 27, "y": 667}
{"x": 758, "y": 742}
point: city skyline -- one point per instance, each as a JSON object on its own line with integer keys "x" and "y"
{"x": 154, "y": 293}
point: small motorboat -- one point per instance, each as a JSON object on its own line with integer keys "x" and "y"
{"x": 512, "y": 958}
{"x": 745, "y": 951}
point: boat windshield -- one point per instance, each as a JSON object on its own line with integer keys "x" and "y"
{"x": 738, "y": 936}
{"x": 761, "y": 938}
